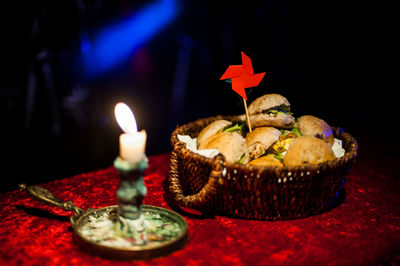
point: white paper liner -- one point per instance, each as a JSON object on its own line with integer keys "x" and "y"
{"x": 191, "y": 144}
{"x": 337, "y": 148}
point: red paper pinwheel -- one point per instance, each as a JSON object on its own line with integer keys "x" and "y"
{"x": 242, "y": 76}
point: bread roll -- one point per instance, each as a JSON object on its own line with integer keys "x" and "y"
{"x": 260, "y": 139}
{"x": 268, "y": 160}
{"x": 308, "y": 150}
{"x": 231, "y": 144}
{"x": 212, "y": 129}
{"x": 268, "y": 110}
{"x": 313, "y": 126}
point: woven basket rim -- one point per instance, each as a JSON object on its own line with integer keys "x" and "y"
{"x": 351, "y": 151}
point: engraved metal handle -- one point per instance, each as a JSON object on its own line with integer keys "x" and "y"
{"x": 44, "y": 195}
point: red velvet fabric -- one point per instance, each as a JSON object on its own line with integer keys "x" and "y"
{"x": 365, "y": 229}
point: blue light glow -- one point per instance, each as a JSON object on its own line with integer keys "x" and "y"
{"x": 116, "y": 43}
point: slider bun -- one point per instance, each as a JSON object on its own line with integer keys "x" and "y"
{"x": 313, "y": 126}
{"x": 260, "y": 139}
{"x": 268, "y": 160}
{"x": 308, "y": 150}
{"x": 212, "y": 129}
{"x": 273, "y": 120}
{"x": 267, "y": 101}
{"x": 231, "y": 144}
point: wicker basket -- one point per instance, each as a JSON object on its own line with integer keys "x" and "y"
{"x": 216, "y": 186}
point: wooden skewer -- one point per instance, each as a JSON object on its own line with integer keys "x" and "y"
{"x": 247, "y": 114}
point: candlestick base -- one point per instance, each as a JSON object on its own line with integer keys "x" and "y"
{"x": 165, "y": 231}
{"x": 132, "y": 230}
{"x": 130, "y": 193}
{"x": 95, "y": 231}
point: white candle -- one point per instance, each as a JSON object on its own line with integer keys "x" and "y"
{"x": 132, "y": 143}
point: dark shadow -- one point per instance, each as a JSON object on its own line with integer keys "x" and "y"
{"x": 42, "y": 213}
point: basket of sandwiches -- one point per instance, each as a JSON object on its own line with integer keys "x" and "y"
{"x": 282, "y": 167}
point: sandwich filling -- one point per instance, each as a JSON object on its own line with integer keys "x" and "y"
{"x": 282, "y": 145}
{"x": 236, "y": 127}
{"x": 280, "y": 109}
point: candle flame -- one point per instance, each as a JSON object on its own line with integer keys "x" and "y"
{"x": 125, "y": 118}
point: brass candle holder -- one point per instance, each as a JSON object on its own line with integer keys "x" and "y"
{"x": 130, "y": 193}
{"x": 128, "y": 231}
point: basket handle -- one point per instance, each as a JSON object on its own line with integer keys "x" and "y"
{"x": 200, "y": 199}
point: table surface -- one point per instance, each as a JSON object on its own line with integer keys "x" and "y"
{"x": 365, "y": 229}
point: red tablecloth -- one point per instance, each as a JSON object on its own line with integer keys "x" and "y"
{"x": 365, "y": 229}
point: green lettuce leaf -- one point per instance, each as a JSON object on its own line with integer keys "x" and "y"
{"x": 236, "y": 127}
{"x": 279, "y": 156}
{"x": 296, "y": 131}
{"x": 241, "y": 158}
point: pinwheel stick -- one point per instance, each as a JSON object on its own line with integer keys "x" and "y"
{"x": 242, "y": 76}
{"x": 247, "y": 114}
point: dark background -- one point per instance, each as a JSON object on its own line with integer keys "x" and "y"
{"x": 330, "y": 59}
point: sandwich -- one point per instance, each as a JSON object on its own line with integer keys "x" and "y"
{"x": 212, "y": 129}
{"x": 308, "y": 150}
{"x": 313, "y": 126}
{"x": 230, "y": 144}
{"x": 267, "y": 160}
{"x": 271, "y": 110}
{"x": 260, "y": 140}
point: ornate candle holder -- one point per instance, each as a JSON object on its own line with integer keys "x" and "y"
{"x": 130, "y": 193}
{"x": 129, "y": 230}
{"x": 133, "y": 230}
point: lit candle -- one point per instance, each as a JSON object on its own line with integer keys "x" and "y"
{"x": 132, "y": 143}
